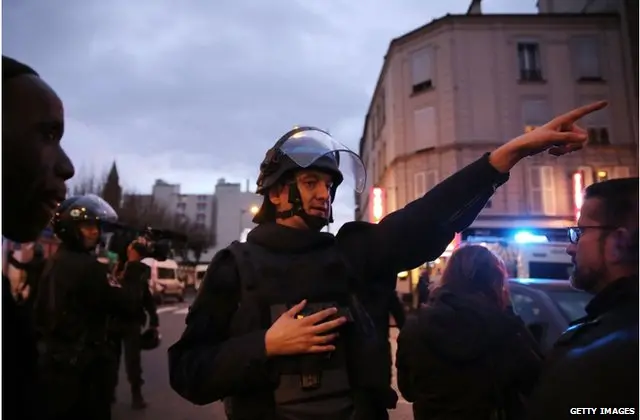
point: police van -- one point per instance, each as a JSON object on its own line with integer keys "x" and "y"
{"x": 544, "y": 261}
{"x": 531, "y": 256}
{"x": 164, "y": 281}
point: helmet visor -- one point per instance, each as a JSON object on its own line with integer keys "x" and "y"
{"x": 307, "y": 144}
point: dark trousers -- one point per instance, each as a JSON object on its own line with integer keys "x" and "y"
{"x": 72, "y": 392}
{"x": 127, "y": 336}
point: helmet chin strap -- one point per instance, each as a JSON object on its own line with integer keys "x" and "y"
{"x": 313, "y": 222}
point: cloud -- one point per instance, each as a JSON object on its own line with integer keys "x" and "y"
{"x": 191, "y": 91}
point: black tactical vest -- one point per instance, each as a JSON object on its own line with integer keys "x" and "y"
{"x": 314, "y": 386}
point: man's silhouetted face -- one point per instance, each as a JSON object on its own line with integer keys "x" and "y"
{"x": 34, "y": 166}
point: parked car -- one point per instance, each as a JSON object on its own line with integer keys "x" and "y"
{"x": 547, "y": 306}
{"x": 164, "y": 280}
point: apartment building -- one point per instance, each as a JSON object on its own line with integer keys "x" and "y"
{"x": 463, "y": 85}
{"x": 227, "y": 213}
{"x": 234, "y": 212}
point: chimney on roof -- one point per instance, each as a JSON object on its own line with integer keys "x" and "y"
{"x": 475, "y": 8}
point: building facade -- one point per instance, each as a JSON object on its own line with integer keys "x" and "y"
{"x": 463, "y": 85}
{"x": 226, "y": 214}
{"x": 234, "y": 212}
{"x": 196, "y": 208}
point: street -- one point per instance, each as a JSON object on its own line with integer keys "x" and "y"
{"x": 166, "y": 404}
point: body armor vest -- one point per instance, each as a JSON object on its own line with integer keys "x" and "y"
{"x": 306, "y": 386}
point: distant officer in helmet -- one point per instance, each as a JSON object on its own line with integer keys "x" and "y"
{"x": 134, "y": 275}
{"x": 75, "y": 298}
{"x": 277, "y": 329}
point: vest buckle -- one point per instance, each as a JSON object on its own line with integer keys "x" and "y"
{"x": 310, "y": 381}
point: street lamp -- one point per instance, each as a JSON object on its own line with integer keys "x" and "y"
{"x": 253, "y": 210}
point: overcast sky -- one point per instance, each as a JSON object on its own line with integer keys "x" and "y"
{"x": 194, "y": 90}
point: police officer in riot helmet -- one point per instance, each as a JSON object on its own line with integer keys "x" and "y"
{"x": 277, "y": 329}
{"x": 75, "y": 298}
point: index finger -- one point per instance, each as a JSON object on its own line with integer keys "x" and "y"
{"x": 320, "y": 315}
{"x": 577, "y": 113}
{"x": 295, "y": 309}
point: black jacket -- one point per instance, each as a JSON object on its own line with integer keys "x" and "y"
{"x": 135, "y": 281}
{"x": 19, "y": 359}
{"x": 595, "y": 362}
{"x": 461, "y": 357}
{"x": 206, "y": 365}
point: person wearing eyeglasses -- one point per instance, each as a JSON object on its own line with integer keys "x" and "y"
{"x": 595, "y": 362}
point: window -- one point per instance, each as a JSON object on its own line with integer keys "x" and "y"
{"x": 424, "y": 181}
{"x": 181, "y": 206}
{"x": 374, "y": 172}
{"x": 596, "y": 123}
{"x": 419, "y": 184}
{"x": 598, "y": 136}
{"x": 200, "y": 217}
{"x": 542, "y": 197}
{"x": 528, "y": 309}
{"x": 425, "y": 129}
{"x": 422, "y": 70}
{"x": 166, "y": 273}
{"x": 431, "y": 179}
{"x": 587, "y": 175}
{"x": 202, "y": 198}
{"x": 201, "y": 206}
{"x": 572, "y": 304}
{"x": 535, "y": 112}
{"x": 585, "y": 53}
{"x": 379, "y": 115}
{"x": 550, "y": 270}
{"x": 529, "y": 61}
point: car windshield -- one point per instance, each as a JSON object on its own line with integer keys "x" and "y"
{"x": 550, "y": 270}
{"x": 570, "y": 302}
{"x": 166, "y": 273}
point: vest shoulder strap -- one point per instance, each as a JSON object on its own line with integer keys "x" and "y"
{"x": 242, "y": 256}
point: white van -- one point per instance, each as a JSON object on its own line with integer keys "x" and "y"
{"x": 201, "y": 269}
{"x": 545, "y": 260}
{"x": 164, "y": 280}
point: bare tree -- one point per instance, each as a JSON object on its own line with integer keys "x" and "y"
{"x": 140, "y": 210}
{"x": 198, "y": 239}
{"x": 88, "y": 183}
